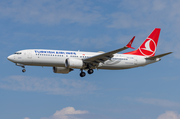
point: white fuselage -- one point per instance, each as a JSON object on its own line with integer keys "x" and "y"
{"x": 56, "y": 58}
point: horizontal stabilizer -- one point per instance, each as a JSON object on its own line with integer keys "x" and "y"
{"x": 158, "y": 56}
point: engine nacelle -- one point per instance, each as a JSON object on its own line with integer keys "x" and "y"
{"x": 62, "y": 70}
{"x": 74, "y": 63}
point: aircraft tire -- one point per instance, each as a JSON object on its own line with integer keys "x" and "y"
{"x": 82, "y": 74}
{"x": 24, "y": 70}
{"x": 90, "y": 71}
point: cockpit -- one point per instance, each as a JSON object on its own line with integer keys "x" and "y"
{"x": 18, "y": 53}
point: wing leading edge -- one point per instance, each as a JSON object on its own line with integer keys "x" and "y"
{"x": 106, "y": 56}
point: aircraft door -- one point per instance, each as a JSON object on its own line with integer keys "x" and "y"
{"x": 135, "y": 60}
{"x": 29, "y": 57}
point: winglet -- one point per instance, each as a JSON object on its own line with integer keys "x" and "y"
{"x": 130, "y": 43}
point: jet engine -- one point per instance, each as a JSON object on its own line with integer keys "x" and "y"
{"x": 62, "y": 70}
{"x": 74, "y": 63}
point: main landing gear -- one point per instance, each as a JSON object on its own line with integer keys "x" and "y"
{"x": 90, "y": 71}
{"x": 83, "y": 74}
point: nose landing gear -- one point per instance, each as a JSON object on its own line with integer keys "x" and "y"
{"x": 24, "y": 70}
{"x": 21, "y": 65}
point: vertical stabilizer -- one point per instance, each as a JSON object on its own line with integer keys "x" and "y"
{"x": 148, "y": 47}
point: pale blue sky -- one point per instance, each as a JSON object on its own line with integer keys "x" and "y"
{"x": 150, "y": 92}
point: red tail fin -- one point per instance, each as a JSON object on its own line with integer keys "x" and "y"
{"x": 148, "y": 47}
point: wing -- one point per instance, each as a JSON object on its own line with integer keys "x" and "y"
{"x": 95, "y": 60}
{"x": 158, "y": 56}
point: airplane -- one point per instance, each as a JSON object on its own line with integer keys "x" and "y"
{"x": 64, "y": 61}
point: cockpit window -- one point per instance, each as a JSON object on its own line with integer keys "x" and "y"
{"x": 18, "y": 53}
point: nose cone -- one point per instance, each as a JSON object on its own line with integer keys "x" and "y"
{"x": 10, "y": 58}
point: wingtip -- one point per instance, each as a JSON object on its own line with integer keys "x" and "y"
{"x": 170, "y": 52}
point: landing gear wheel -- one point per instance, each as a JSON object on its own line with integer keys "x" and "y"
{"x": 24, "y": 70}
{"x": 82, "y": 74}
{"x": 90, "y": 71}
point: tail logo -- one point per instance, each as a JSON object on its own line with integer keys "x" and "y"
{"x": 148, "y": 48}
